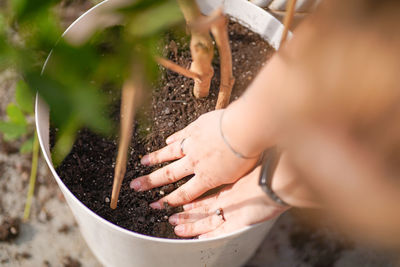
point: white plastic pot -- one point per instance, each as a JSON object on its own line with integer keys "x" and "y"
{"x": 115, "y": 246}
{"x": 261, "y": 3}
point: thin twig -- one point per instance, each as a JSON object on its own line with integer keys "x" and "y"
{"x": 129, "y": 96}
{"x": 32, "y": 179}
{"x": 290, "y": 7}
{"x": 177, "y": 68}
{"x": 220, "y": 33}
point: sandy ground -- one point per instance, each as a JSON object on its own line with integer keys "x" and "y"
{"x": 52, "y": 238}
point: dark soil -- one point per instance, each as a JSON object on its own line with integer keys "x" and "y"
{"x": 88, "y": 169}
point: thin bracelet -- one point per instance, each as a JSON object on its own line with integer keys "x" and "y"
{"x": 238, "y": 154}
{"x": 270, "y": 162}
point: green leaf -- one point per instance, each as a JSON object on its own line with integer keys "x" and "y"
{"x": 15, "y": 115}
{"x": 27, "y": 146}
{"x": 11, "y": 130}
{"x": 54, "y": 93}
{"x": 24, "y": 97}
{"x": 64, "y": 141}
{"x": 155, "y": 19}
{"x": 3, "y": 24}
{"x": 140, "y": 6}
{"x": 26, "y": 9}
{"x": 89, "y": 105}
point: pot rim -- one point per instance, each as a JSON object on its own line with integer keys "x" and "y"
{"x": 39, "y": 105}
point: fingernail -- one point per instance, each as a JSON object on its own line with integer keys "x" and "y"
{"x": 173, "y": 219}
{"x": 136, "y": 185}
{"x": 145, "y": 160}
{"x": 169, "y": 140}
{"x": 187, "y": 206}
{"x": 155, "y": 205}
{"x": 180, "y": 229}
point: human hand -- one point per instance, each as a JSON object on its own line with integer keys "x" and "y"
{"x": 242, "y": 204}
{"x": 201, "y": 151}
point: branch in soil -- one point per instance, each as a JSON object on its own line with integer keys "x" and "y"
{"x": 177, "y": 68}
{"x": 130, "y": 92}
{"x": 201, "y": 48}
{"x": 220, "y": 32}
{"x": 208, "y": 21}
{"x": 290, "y": 7}
{"x": 32, "y": 179}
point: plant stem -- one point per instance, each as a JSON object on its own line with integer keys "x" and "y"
{"x": 207, "y": 21}
{"x": 130, "y": 91}
{"x": 177, "y": 68}
{"x": 32, "y": 179}
{"x": 290, "y": 7}
{"x": 201, "y": 48}
{"x": 219, "y": 30}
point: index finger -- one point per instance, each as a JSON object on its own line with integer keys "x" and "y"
{"x": 179, "y": 135}
{"x": 170, "y": 152}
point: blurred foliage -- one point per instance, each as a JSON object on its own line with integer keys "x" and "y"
{"x": 16, "y": 125}
{"x": 78, "y": 78}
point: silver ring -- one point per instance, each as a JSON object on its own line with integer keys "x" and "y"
{"x": 183, "y": 140}
{"x": 220, "y": 212}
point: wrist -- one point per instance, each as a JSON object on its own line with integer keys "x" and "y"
{"x": 228, "y": 144}
{"x": 241, "y": 128}
{"x": 287, "y": 186}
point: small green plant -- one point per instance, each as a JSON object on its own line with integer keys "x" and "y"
{"x": 19, "y": 126}
{"x": 75, "y": 76}
{"x": 72, "y": 81}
